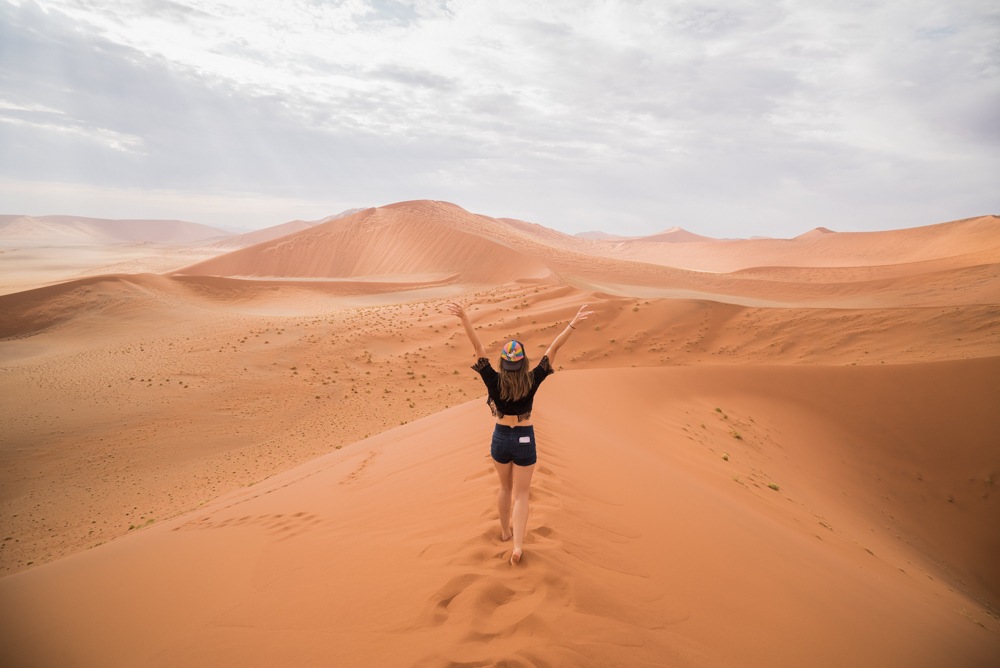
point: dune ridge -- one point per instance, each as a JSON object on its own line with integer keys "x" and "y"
{"x": 259, "y": 236}
{"x": 378, "y": 242}
{"x": 756, "y": 453}
{"x": 826, "y": 249}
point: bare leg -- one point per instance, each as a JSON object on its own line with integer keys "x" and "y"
{"x": 521, "y": 485}
{"x": 505, "y": 472}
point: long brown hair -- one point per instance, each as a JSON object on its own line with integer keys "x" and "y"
{"x": 516, "y": 385}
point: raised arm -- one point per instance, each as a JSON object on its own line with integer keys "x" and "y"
{"x": 582, "y": 314}
{"x": 457, "y": 310}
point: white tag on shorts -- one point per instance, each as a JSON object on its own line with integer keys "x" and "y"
{"x": 524, "y": 439}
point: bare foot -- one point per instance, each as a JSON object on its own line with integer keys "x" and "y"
{"x": 505, "y": 535}
{"x": 515, "y": 556}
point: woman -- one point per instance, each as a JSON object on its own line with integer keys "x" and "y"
{"x": 511, "y": 393}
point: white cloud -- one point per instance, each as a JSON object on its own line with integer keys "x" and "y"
{"x": 99, "y": 136}
{"x": 729, "y": 118}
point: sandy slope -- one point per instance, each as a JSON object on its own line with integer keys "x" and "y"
{"x": 143, "y": 416}
{"x": 419, "y": 239}
{"x": 647, "y": 548}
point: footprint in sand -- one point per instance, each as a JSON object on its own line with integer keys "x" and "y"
{"x": 488, "y": 598}
{"x": 279, "y": 524}
{"x": 356, "y": 474}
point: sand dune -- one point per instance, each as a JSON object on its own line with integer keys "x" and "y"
{"x": 597, "y": 235}
{"x": 826, "y": 249}
{"x": 70, "y": 230}
{"x": 756, "y": 453}
{"x": 260, "y": 236}
{"x": 412, "y": 241}
{"x": 422, "y": 238}
{"x": 388, "y": 548}
{"x": 675, "y": 235}
{"x": 38, "y": 251}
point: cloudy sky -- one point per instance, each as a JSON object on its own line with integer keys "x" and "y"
{"x": 728, "y": 118}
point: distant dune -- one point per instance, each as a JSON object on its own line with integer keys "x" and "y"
{"x": 675, "y": 235}
{"x": 417, "y": 239}
{"x": 434, "y": 242}
{"x": 815, "y": 232}
{"x": 338, "y": 216}
{"x": 260, "y": 236}
{"x": 597, "y": 235}
{"x": 971, "y": 237}
{"x": 756, "y": 453}
{"x": 71, "y": 230}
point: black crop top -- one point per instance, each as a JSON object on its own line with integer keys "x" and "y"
{"x": 522, "y": 407}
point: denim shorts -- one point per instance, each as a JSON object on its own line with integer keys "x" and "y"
{"x": 514, "y": 444}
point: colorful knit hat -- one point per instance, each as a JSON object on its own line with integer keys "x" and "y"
{"x": 512, "y": 356}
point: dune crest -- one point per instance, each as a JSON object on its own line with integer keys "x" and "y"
{"x": 260, "y": 236}
{"x": 675, "y": 235}
{"x": 423, "y": 238}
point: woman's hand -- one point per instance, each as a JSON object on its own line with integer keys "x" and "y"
{"x": 456, "y": 309}
{"x": 582, "y": 314}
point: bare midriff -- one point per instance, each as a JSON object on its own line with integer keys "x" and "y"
{"x": 511, "y": 421}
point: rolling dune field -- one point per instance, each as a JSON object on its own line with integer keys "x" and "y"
{"x": 756, "y": 453}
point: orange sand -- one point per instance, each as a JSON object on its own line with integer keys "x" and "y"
{"x": 273, "y": 462}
